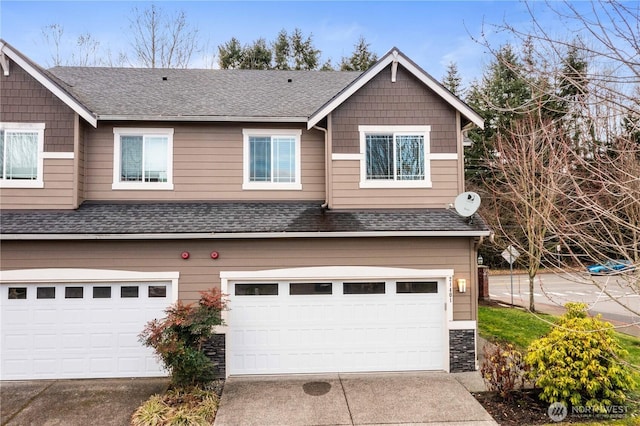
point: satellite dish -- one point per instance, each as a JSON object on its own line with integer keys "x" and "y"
{"x": 467, "y": 204}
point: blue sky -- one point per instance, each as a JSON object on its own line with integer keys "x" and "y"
{"x": 432, "y": 33}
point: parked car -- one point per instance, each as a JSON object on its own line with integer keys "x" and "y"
{"x": 610, "y": 267}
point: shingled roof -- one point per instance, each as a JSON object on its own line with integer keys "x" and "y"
{"x": 192, "y": 94}
{"x": 230, "y": 219}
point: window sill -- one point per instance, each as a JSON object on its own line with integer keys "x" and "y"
{"x": 139, "y": 186}
{"x": 21, "y": 183}
{"x": 395, "y": 184}
{"x": 269, "y": 186}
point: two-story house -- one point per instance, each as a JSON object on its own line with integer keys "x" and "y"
{"x": 317, "y": 201}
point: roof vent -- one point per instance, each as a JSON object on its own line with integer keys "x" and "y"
{"x": 289, "y": 80}
{"x": 164, "y": 78}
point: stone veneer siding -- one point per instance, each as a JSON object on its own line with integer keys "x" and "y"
{"x": 215, "y": 350}
{"x": 462, "y": 350}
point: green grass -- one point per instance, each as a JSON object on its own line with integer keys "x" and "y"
{"x": 512, "y": 325}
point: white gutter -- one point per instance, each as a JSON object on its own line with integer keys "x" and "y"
{"x": 240, "y": 235}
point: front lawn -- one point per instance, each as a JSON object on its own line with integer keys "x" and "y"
{"x": 512, "y": 325}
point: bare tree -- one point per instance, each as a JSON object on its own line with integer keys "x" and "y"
{"x": 524, "y": 189}
{"x": 52, "y": 36}
{"x": 87, "y": 51}
{"x": 161, "y": 40}
{"x": 587, "y": 88}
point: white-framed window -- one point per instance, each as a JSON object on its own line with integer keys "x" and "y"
{"x": 21, "y": 155}
{"x": 271, "y": 159}
{"x": 395, "y": 157}
{"x": 143, "y": 158}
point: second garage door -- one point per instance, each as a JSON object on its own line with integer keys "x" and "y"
{"x": 336, "y": 326}
{"x": 79, "y": 330}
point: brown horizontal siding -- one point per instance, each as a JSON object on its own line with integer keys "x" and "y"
{"x": 56, "y": 194}
{"x": 24, "y": 100}
{"x": 200, "y": 272}
{"x": 346, "y": 193}
{"x": 383, "y": 103}
{"x": 207, "y": 165}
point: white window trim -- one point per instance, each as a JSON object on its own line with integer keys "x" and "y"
{"x": 144, "y": 186}
{"x": 39, "y": 181}
{"x": 368, "y": 183}
{"x": 278, "y": 186}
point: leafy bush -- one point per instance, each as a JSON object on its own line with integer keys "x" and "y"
{"x": 178, "y": 338}
{"x": 578, "y": 362}
{"x": 503, "y": 369}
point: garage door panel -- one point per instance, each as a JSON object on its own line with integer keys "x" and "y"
{"x": 101, "y": 365}
{"x": 81, "y": 337}
{"x": 44, "y": 342}
{"x": 337, "y": 332}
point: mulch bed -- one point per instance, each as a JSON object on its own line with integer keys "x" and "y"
{"x": 523, "y": 408}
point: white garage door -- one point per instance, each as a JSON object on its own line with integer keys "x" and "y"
{"x": 335, "y": 326}
{"x": 79, "y": 330}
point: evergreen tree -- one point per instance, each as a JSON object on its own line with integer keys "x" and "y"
{"x": 361, "y": 59}
{"x": 452, "y": 79}
{"x": 501, "y": 97}
{"x": 281, "y": 51}
{"x": 256, "y": 56}
{"x": 304, "y": 55}
{"x": 230, "y": 54}
{"x": 287, "y": 52}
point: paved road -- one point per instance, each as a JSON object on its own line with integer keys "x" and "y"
{"x": 556, "y": 290}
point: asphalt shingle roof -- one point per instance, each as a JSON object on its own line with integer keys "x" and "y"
{"x": 228, "y": 217}
{"x": 146, "y": 92}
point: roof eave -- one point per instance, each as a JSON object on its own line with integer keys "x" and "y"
{"x": 243, "y": 235}
{"x": 33, "y": 70}
{"x": 423, "y": 76}
{"x": 202, "y": 118}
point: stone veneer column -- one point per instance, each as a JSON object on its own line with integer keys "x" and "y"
{"x": 462, "y": 350}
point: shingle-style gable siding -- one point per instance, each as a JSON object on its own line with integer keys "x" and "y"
{"x": 405, "y": 102}
{"x": 25, "y": 100}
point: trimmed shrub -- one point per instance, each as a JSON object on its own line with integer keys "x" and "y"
{"x": 578, "y": 362}
{"x": 503, "y": 369}
{"x": 178, "y": 338}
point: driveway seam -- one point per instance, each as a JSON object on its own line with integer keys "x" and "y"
{"x": 345, "y": 399}
{"x": 6, "y": 422}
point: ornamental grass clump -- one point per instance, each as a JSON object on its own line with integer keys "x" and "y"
{"x": 579, "y": 362}
{"x": 187, "y": 406}
{"x": 178, "y": 338}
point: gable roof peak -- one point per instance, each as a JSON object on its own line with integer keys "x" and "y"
{"x": 45, "y": 78}
{"x": 394, "y": 57}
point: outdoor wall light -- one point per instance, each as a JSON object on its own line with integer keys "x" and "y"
{"x": 480, "y": 259}
{"x": 462, "y": 285}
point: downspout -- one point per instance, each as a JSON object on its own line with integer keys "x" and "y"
{"x": 327, "y": 154}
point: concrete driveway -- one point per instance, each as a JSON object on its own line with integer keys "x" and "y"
{"x": 75, "y": 402}
{"x": 350, "y": 399}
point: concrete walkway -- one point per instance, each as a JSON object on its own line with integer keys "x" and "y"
{"x": 433, "y": 398}
{"x": 75, "y": 402}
